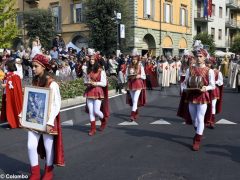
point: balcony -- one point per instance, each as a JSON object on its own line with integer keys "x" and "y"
{"x": 32, "y": 2}
{"x": 199, "y": 16}
{"x": 231, "y": 23}
{"x": 233, "y": 4}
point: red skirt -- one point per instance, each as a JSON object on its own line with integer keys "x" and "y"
{"x": 94, "y": 93}
{"x": 215, "y": 93}
{"x": 198, "y": 97}
{"x": 136, "y": 84}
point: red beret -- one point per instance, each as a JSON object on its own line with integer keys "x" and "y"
{"x": 41, "y": 59}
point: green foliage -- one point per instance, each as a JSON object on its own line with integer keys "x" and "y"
{"x": 39, "y": 22}
{"x": 236, "y": 44}
{"x": 206, "y": 40}
{"x": 103, "y": 28}
{"x": 8, "y": 27}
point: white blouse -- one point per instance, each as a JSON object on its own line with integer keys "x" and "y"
{"x": 56, "y": 103}
{"x": 102, "y": 82}
{"x": 142, "y": 75}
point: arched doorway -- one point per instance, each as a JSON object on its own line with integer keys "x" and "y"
{"x": 182, "y": 46}
{"x": 80, "y": 41}
{"x": 167, "y": 46}
{"x": 149, "y": 46}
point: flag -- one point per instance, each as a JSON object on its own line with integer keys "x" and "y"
{"x": 205, "y": 13}
{"x": 210, "y": 8}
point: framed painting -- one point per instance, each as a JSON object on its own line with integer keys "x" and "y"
{"x": 36, "y": 108}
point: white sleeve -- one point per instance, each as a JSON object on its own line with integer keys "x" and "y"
{"x": 56, "y": 103}
{"x": 219, "y": 82}
{"x": 143, "y": 75}
{"x": 103, "y": 81}
{"x": 186, "y": 76}
{"x": 211, "y": 76}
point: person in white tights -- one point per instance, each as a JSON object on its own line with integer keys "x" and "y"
{"x": 43, "y": 79}
{"x": 199, "y": 100}
{"x": 95, "y": 79}
{"x": 135, "y": 75}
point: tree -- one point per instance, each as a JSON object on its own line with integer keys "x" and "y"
{"x": 39, "y": 22}
{"x": 206, "y": 40}
{"x": 8, "y": 27}
{"x": 236, "y": 44}
{"x": 103, "y": 28}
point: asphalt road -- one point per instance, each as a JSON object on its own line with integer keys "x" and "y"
{"x": 141, "y": 151}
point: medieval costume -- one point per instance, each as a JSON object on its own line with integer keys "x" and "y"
{"x": 12, "y": 98}
{"x": 195, "y": 105}
{"x": 151, "y": 75}
{"x": 163, "y": 73}
{"x": 48, "y": 145}
{"x": 136, "y": 95}
{"x": 172, "y": 71}
{"x": 96, "y": 94}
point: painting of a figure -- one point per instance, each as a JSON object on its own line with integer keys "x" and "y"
{"x": 36, "y": 107}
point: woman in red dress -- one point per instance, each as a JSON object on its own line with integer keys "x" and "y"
{"x": 136, "y": 85}
{"x": 96, "y": 94}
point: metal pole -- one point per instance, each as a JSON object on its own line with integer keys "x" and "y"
{"x": 23, "y": 37}
{"x": 117, "y": 36}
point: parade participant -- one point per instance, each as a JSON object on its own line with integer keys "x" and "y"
{"x": 236, "y": 76}
{"x": 49, "y": 145}
{"x": 178, "y": 66}
{"x": 96, "y": 94}
{"x": 216, "y": 94}
{"x": 122, "y": 76}
{"x": 12, "y": 96}
{"x": 163, "y": 72}
{"x": 224, "y": 66}
{"x": 199, "y": 101}
{"x": 136, "y": 95}
{"x": 172, "y": 70}
{"x": 151, "y": 75}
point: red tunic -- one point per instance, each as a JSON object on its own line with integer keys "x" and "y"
{"x": 58, "y": 143}
{"x": 94, "y": 92}
{"x": 216, "y": 92}
{"x": 196, "y": 97}
{"x": 149, "y": 70}
{"x": 12, "y": 101}
{"x": 137, "y": 83}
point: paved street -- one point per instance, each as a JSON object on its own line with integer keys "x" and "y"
{"x": 157, "y": 147}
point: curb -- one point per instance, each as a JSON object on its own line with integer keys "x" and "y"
{"x": 80, "y": 100}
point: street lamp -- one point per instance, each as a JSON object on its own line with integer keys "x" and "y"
{"x": 118, "y": 18}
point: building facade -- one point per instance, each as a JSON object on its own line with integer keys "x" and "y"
{"x": 161, "y": 26}
{"x": 68, "y": 18}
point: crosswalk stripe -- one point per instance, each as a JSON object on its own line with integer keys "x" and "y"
{"x": 161, "y": 121}
{"x": 127, "y": 123}
{"x": 98, "y": 123}
{"x": 224, "y": 121}
{"x": 67, "y": 123}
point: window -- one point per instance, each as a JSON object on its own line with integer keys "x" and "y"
{"x": 19, "y": 20}
{"x": 183, "y": 17}
{"x": 149, "y": 9}
{"x": 220, "y": 34}
{"x": 199, "y": 29}
{"x": 56, "y": 11}
{"x": 213, "y": 9}
{"x": 168, "y": 17}
{"x": 213, "y": 33}
{"x": 220, "y": 12}
{"x": 77, "y": 12}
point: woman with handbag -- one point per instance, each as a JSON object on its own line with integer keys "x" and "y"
{"x": 49, "y": 145}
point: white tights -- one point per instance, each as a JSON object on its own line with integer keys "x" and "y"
{"x": 135, "y": 95}
{"x": 94, "y": 106}
{"x": 214, "y": 102}
{"x": 33, "y": 139}
{"x": 198, "y": 112}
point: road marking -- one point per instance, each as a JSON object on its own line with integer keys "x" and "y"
{"x": 224, "y": 121}
{"x": 67, "y": 123}
{"x": 98, "y": 123}
{"x": 128, "y": 123}
{"x": 161, "y": 121}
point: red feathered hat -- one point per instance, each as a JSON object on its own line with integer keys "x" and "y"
{"x": 41, "y": 59}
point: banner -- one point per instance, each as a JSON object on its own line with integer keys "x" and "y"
{"x": 205, "y": 13}
{"x": 122, "y": 31}
{"x": 210, "y": 8}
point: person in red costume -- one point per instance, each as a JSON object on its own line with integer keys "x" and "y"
{"x": 48, "y": 145}
{"x": 195, "y": 106}
{"x": 136, "y": 95}
{"x": 12, "y": 98}
{"x": 96, "y": 94}
{"x": 216, "y": 94}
